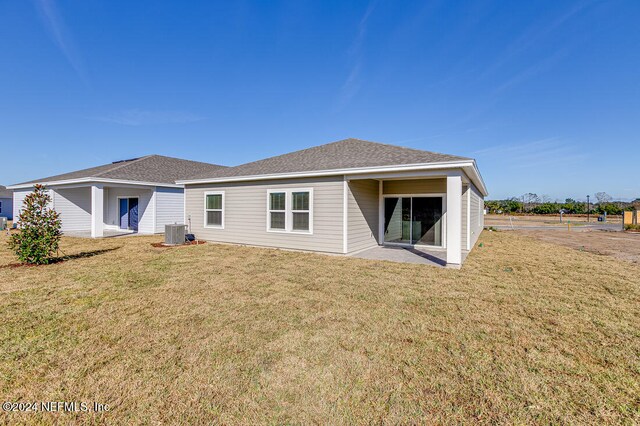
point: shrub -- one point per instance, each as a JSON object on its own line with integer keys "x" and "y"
{"x": 39, "y": 227}
{"x": 609, "y": 208}
{"x": 546, "y": 208}
{"x": 632, "y": 227}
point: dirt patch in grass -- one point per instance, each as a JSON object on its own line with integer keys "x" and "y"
{"x": 526, "y": 332}
{"x": 545, "y": 220}
{"x": 622, "y": 245}
{"x": 187, "y": 244}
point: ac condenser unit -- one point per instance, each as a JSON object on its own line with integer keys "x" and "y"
{"x": 174, "y": 234}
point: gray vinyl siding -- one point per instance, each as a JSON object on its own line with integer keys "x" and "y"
{"x": 6, "y": 208}
{"x": 145, "y": 207}
{"x": 169, "y": 207}
{"x": 245, "y": 214}
{"x": 74, "y": 206}
{"x": 477, "y": 214}
{"x": 415, "y": 186}
{"x": 465, "y": 209}
{"x": 362, "y": 219}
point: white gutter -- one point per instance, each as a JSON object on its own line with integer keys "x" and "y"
{"x": 92, "y": 179}
{"x": 353, "y": 171}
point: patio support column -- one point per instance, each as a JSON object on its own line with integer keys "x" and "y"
{"x": 454, "y": 221}
{"x": 380, "y": 212}
{"x": 97, "y": 211}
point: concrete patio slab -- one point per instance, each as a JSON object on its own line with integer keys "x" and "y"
{"x": 107, "y": 234}
{"x": 419, "y": 255}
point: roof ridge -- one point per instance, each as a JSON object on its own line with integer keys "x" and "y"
{"x": 124, "y": 164}
{"x": 402, "y": 146}
{"x": 185, "y": 159}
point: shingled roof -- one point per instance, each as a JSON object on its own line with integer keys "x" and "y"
{"x": 344, "y": 154}
{"x": 151, "y": 168}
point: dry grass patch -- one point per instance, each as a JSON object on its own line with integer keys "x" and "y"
{"x": 525, "y": 332}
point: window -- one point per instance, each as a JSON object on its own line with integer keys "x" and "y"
{"x": 300, "y": 210}
{"x": 214, "y": 210}
{"x": 277, "y": 210}
{"x": 290, "y": 211}
{"x": 0, "y": 206}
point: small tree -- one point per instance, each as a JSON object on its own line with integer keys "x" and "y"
{"x": 39, "y": 226}
{"x": 603, "y": 197}
{"x": 528, "y": 199}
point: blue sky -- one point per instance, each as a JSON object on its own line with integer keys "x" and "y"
{"x": 544, "y": 94}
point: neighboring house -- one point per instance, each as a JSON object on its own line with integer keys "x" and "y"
{"x": 137, "y": 195}
{"x": 342, "y": 197}
{"x": 6, "y": 203}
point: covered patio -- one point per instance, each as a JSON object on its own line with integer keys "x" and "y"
{"x": 427, "y": 217}
{"x": 98, "y": 210}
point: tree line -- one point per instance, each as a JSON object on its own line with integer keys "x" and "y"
{"x": 532, "y": 203}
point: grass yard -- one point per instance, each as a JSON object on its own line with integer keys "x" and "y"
{"x": 525, "y": 332}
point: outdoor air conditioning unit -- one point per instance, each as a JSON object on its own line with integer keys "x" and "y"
{"x": 3, "y": 223}
{"x": 174, "y": 234}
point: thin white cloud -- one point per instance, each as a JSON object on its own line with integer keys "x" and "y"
{"x": 60, "y": 35}
{"x": 549, "y": 152}
{"x": 138, "y": 117}
{"x": 353, "y": 82}
{"x": 533, "y": 35}
{"x": 521, "y": 147}
{"x": 533, "y": 70}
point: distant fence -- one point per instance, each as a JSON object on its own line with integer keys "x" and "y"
{"x": 631, "y": 218}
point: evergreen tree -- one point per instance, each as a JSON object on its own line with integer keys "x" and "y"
{"x": 39, "y": 227}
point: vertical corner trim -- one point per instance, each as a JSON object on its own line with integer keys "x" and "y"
{"x": 468, "y": 218}
{"x": 345, "y": 215}
{"x": 154, "y": 194}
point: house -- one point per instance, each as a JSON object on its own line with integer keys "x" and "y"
{"x": 137, "y": 195}
{"x": 6, "y": 203}
{"x": 342, "y": 197}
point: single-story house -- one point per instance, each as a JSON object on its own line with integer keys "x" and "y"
{"x": 6, "y": 203}
{"x": 342, "y": 197}
{"x": 137, "y": 195}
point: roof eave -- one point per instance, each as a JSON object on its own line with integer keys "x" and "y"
{"x": 470, "y": 163}
{"x": 478, "y": 177}
{"x": 90, "y": 180}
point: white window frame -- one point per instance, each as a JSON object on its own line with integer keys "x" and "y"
{"x": 288, "y": 212}
{"x": 205, "y": 209}
{"x": 269, "y": 210}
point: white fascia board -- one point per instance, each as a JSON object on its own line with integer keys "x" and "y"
{"x": 331, "y": 172}
{"x": 466, "y": 165}
{"x": 89, "y": 180}
{"x": 477, "y": 178}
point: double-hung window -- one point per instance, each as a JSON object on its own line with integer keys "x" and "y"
{"x": 300, "y": 211}
{"x": 214, "y": 210}
{"x": 277, "y": 211}
{"x": 290, "y": 210}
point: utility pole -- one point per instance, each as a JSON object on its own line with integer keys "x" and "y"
{"x": 588, "y": 208}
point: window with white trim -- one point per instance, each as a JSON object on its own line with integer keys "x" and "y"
{"x": 214, "y": 210}
{"x": 290, "y": 210}
{"x": 300, "y": 211}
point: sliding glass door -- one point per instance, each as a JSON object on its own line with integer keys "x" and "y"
{"x": 413, "y": 220}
